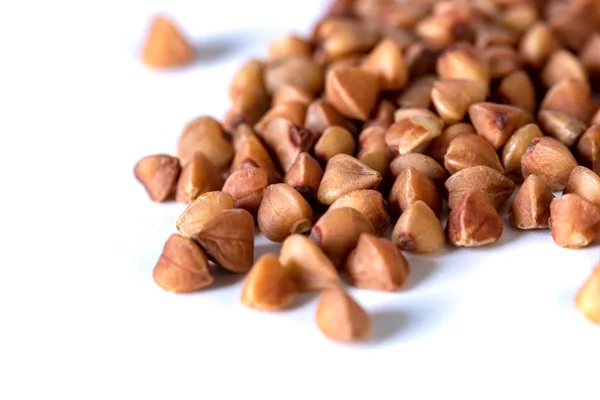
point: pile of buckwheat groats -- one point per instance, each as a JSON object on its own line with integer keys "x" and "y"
{"x": 366, "y": 127}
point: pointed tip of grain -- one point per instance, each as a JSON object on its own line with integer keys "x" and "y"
{"x": 453, "y": 97}
{"x": 497, "y": 122}
{"x": 340, "y": 317}
{"x": 474, "y": 221}
{"x": 166, "y": 46}
{"x": 418, "y": 230}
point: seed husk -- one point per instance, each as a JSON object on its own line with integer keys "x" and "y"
{"x": 588, "y": 148}
{"x": 306, "y": 263}
{"x": 516, "y": 89}
{"x": 337, "y": 232}
{"x": 340, "y": 318}
{"x": 182, "y": 266}
{"x": 292, "y": 111}
{"x": 489, "y": 35}
{"x": 413, "y": 130}
{"x": 201, "y": 210}
{"x": 282, "y": 212}
{"x": 374, "y": 152}
{"x": 249, "y": 78}
{"x": 393, "y": 14}
{"x": 166, "y": 46}
{"x": 370, "y": 203}
{"x": 453, "y": 97}
{"x": 518, "y": 17}
{"x": 585, "y": 183}
{"x": 334, "y": 141}
{"x": 199, "y": 176}
{"x": 418, "y": 230}
{"x": 376, "y": 264}
{"x": 463, "y": 61}
{"x": 205, "y": 135}
{"x": 517, "y": 145}
{"x": 421, "y": 60}
{"x": 417, "y": 93}
{"x": 247, "y": 186}
{"x": 474, "y": 221}
{"x": 291, "y": 94}
{"x": 570, "y": 96}
{"x": 469, "y": 151}
{"x": 338, "y": 38}
{"x": 411, "y": 186}
{"x": 321, "y": 115}
{"x": 382, "y": 115}
{"x": 588, "y": 297}
{"x": 596, "y": 118}
{"x": 387, "y": 62}
{"x": 158, "y": 174}
{"x": 574, "y": 222}
{"x": 563, "y": 64}
{"x": 497, "y": 122}
{"x": 352, "y": 91}
{"x": 289, "y": 46}
{"x": 422, "y": 163}
{"x": 250, "y": 152}
{"x": 442, "y": 29}
{"x": 339, "y": 8}
{"x": 303, "y": 73}
{"x": 572, "y": 21}
{"x": 373, "y": 138}
{"x": 562, "y": 126}
{"x": 268, "y": 286}
{"x": 402, "y": 37}
{"x": 228, "y": 238}
{"x": 344, "y": 174}
{"x": 305, "y": 176}
{"x": 501, "y": 61}
{"x": 349, "y": 61}
{"x": 589, "y": 56}
{"x": 248, "y": 95}
{"x": 538, "y": 44}
{"x": 248, "y": 107}
{"x": 377, "y": 160}
{"x": 439, "y": 146}
{"x": 530, "y": 208}
{"x": 495, "y": 186}
{"x": 287, "y": 140}
{"x": 550, "y": 160}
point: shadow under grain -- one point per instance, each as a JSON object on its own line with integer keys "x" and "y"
{"x": 225, "y": 278}
{"x": 387, "y": 324}
{"x": 213, "y": 49}
{"x": 303, "y": 299}
{"x": 421, "y": 269}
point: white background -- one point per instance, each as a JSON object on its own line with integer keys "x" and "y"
{"x": 81, "y": 318}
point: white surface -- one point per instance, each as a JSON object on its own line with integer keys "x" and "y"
{"x": 81, "y": 317}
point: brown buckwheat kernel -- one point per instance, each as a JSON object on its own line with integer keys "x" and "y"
{"x": 530, "y": 208}
{"x": 283, "y": 211}
{"x": 340, "y": 318}
{"x": 376, "y": 264}
{"x": 182, "y": 266}
{"x": 158, "y": 174}
{"x": 418, "y": 230}
{"x": 268, "y": 286}
{"x": 474, "y": 221}
{"x": 588, "y": 297}
{"x": 337, "y": 232}
{"x": 308, "y": 266}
